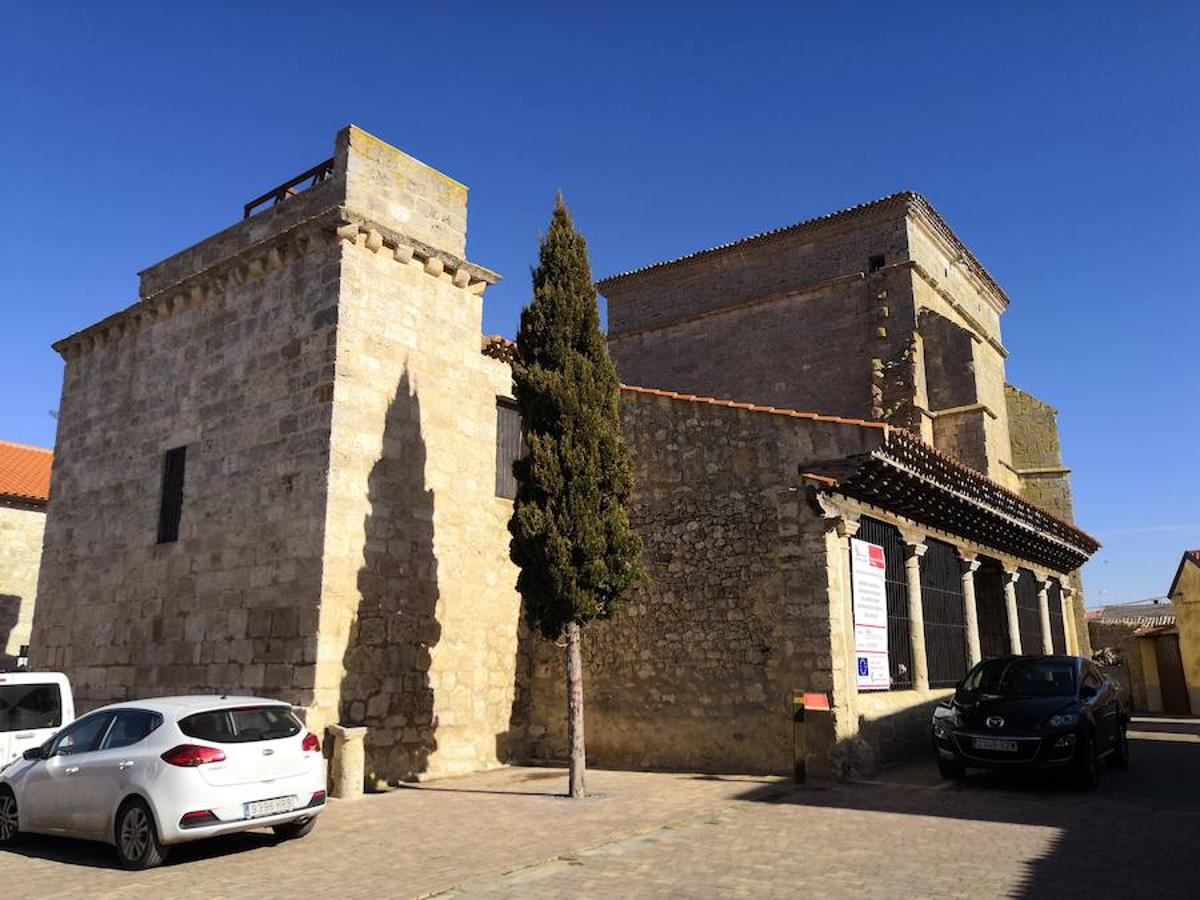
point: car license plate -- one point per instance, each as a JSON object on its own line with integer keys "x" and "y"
{"x": 260, "y": 808}
{"x": 992, "y": 744}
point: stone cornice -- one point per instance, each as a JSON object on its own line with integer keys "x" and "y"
{"x": 269, "y": 255}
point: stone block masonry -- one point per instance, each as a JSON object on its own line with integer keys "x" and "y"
{"x": 340, "y": 546}
{"x": 21, "y": 528}
{"x": 696, "y": 670}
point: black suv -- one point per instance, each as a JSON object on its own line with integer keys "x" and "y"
{"x": 1032, "y": 712}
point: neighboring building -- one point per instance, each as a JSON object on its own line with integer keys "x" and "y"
{"x": 1170, "y": 651}
{"x": 1113, "y": 631}
{"x": 310, "y": 496}
{"x": 24, "y": 489}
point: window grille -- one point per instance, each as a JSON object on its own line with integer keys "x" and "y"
{"x": 1029, "y": 613}
{"x": 945, "y": 620}
{"x": 899, "y": 640}
{"x": 170, "y": 504}
{"x": 991, "y": 610}
{"x": 509, "y": 447}
{"x": 1058, "y": 632}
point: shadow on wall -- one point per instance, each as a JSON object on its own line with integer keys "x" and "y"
{"x": 386, "y": 686}
{"x": 10, "y": 609}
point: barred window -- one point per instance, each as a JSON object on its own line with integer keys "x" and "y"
{"x": 992, "y": 610}
{"x": 1029, "y": 613}
{"x": 899, "y": 634}
{"x": 170, "y": 503}
{"x": 509, "y": 447}
{"x": 945, "y": 618}
{"x": 1058, "y": 632}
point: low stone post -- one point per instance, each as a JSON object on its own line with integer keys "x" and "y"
{"x": 914, "y": 549}
{"x": 1010, "y": 603}
{"x": 968, "y": 565}
{"x": 348, "y": 762}
{"x": 1044, "y": 610}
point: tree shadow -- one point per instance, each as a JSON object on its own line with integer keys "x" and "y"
{"x": 10, "y": 611}
{"x": 386, "y": 685}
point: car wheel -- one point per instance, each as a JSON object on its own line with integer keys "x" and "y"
{"x": 292, "y": 830}
{"x": 1119, "y": 758}
{"x": 1087, "y": 763}
{"x": 138, "y": 846}
{"x": 9, "y": 821}
{"x": 951, "y": 770}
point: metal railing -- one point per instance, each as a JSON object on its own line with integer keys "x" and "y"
{"x": 313, "y": 176}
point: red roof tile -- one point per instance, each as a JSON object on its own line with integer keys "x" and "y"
{"x": 752, "y": 407}
{"x": 25, "y": 472}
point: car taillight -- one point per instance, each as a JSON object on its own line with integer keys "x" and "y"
{"x": 191, "y": 755}
{"x": 312, "y": 743}
{"x": 318, "y": 798}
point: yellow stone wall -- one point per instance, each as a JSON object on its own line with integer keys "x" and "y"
{"x": 20, "y": 553}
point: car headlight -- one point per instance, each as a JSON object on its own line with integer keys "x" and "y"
{"x": 1064, "y": 720}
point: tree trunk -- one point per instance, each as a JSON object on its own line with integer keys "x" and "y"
{"x": 575, "y": 708}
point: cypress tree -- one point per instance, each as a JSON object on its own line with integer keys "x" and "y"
{"x": 571, "y": 536}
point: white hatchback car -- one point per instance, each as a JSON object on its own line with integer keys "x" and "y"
{"x": 148, "y": 774}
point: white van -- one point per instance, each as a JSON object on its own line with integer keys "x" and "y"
{"x": 33, "y": 706}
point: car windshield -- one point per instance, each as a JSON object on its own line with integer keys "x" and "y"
{"x": 29, "y": 706}
{"x": 242, "y": 724}
{"x": 1023, "y": 678}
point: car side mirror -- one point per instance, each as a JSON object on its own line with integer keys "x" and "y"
{"x": 35, "y": 753}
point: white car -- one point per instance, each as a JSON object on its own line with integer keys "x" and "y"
{"x": 33, "y": 705}
{"x": 148, "y": 774}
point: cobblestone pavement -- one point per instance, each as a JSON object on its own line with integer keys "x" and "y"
{"x": 507, "y": 833}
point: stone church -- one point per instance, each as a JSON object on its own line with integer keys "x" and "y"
{"x": 285, "y": 469}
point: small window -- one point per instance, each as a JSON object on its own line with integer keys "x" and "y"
{"x": 242, "y": 725}
{"x": 170, "y": 507}
{"x": 130, "y": 726}
{"x": 510, "y": 447}
{"x": 875, "y": 263}
{"x": 24, "y": 707}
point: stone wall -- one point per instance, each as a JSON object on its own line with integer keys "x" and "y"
{"x": 1131, "y": 674}
{"x": 697, "y": 669}
{"x": 21, "y": 530}
{"x": 1185, "y": 593}
{"x": 238, "y": 367}
{"x": 419, "y": 612}
{"x": 797, "y": 320}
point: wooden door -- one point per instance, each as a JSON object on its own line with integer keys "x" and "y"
{"x": 1170, "y": 675}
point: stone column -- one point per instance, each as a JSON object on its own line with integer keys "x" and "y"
{"x": 348, "y": 762}
{"x": 1044, "y": 610}
{"x": 1068, "y": 610}
{"x": 968, "y": 564}
{"x": 1010, "y": 602}
{"x": 914, "y": 549}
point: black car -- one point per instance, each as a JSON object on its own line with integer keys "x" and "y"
{"x": 1033, "y": 712}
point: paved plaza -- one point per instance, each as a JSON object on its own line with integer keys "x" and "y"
{"x": 510, "y": 833}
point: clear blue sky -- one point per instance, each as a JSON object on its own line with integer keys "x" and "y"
{"x": 1060, "y": 140}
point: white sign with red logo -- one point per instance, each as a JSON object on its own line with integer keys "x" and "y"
{"x": 867, "y": 571}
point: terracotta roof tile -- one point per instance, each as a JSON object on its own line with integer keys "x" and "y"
{"x": 25, "y": 472}
{"x": 752, "y": 407}
{"x": 905, "y": 197}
